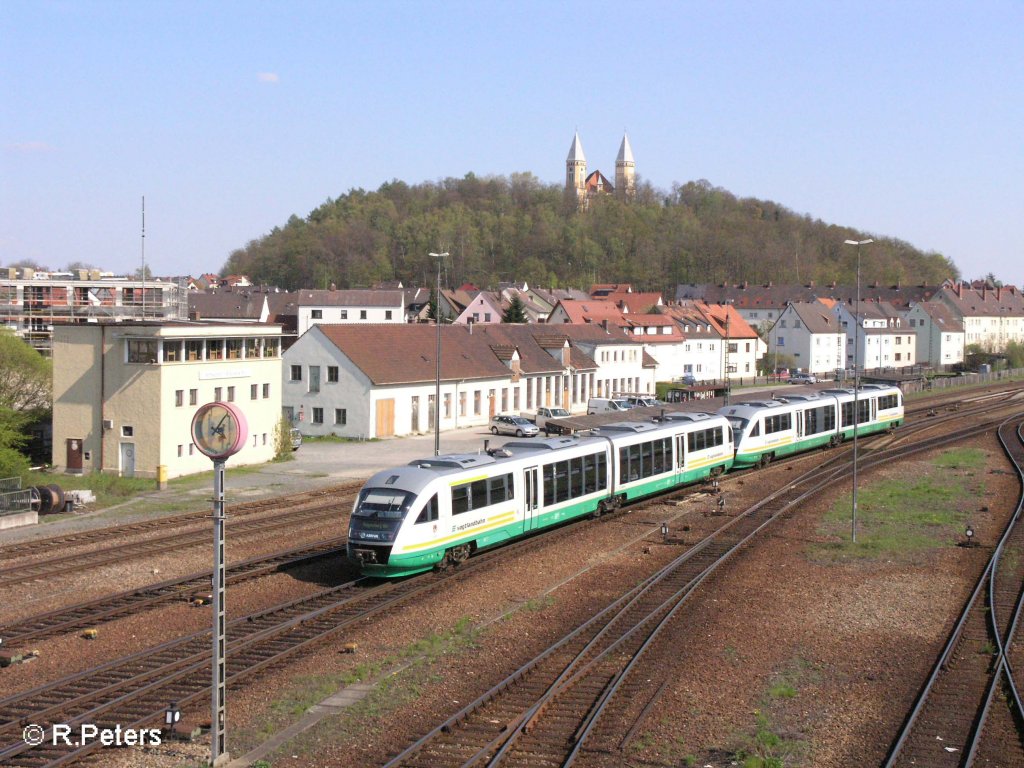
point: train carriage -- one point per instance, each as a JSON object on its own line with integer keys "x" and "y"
{"x": 766, "y": 430}
{"x": 441, "y": 509}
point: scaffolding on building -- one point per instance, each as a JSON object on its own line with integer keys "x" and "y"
{"x": 32, "y": 304}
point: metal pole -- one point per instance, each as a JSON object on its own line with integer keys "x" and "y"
{"x": 856, "y": 397}
{"x": 856, "y": 385}
{"x": 437, "y": 356}
{"x": 218, "y": 715}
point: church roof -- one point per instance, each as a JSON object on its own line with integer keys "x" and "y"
{"x": 625, "y": 151}
{"x": 576, "y": 151}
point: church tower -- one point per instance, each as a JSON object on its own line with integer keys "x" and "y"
{"x": 576, "y": 168}
{"x": 625, "y": 169}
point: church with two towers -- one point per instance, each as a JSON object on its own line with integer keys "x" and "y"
{"x": 587, "y": 185}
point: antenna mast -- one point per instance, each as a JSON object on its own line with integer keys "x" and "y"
{"x": 143, "y": 257}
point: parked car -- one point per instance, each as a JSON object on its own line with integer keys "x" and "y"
{"x": 605, "y": 404}
{"x": 545, "y": 414}
{"x": 688, "y": 379}
{"x": 296, "y": 438}
{"x": 802, "y": 378}
{"x": 639, "y": 401}
{"x": 513, "y": 425}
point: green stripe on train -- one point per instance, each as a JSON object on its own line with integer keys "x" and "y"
{"x": 414, "y": 562}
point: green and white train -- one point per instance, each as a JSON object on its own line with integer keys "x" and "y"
{"x": 768, "y": 430}
{"x": 441, "y": 509}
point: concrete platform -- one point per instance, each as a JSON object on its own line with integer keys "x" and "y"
{"x": 18, "y": 519}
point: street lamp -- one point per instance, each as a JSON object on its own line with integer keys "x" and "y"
{"x": 856, "y": 382}
{"x": 437, "y": 355}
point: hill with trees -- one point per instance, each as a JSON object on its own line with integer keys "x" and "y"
{"x": 518, "y": 229}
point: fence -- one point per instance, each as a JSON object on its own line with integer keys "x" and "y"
{"x": 14, "y": 500}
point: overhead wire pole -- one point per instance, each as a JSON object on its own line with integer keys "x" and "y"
{"x": 856, "y": 384}
{"x": 437, "y": 355}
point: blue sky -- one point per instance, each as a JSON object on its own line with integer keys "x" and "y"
{"x": 903, "y": 119}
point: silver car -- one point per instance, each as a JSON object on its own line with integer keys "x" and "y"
{"x": 513, "y": 425}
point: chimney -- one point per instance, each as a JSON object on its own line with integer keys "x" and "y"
{"x": 565, "y": 355}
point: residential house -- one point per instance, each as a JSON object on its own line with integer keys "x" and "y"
{"x": 991, "y": 317}
{"x": 876, "y": 336}
{"x": 712, "y": 348}
{"x": 125, "y": 393}
{"x": 810, "y": 333}
{"x": 762, "y": 304}
{"x": 349, "y": 306}
{"x": 939, "y": 333}
{"x": 381, "y": 380}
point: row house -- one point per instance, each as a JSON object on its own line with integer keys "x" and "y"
{"x": 991, "y": 317}
{"x": 375, "y": 381}
{"x": 348, "y": 306}
{"x": 761, "y": 305}
{"x": 876, "y": 336}
{"x": 939, "y": 333}
{"x": 124, "y": 393}
{"x": 717, "y": 343}
{"x": 811, "y": 334}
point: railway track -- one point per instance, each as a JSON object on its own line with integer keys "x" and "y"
{"x": 87, "y": 538}
{"x": 557, "y": 706}
{"x": 134, "y": 691}
{"x": 244, "y": 527}
{"x": 93, "y": 612}
{"x": 969, "y": 711}
{"x": 122, "y": 693}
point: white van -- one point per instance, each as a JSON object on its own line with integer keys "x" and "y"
{"x": 605, "y": 405}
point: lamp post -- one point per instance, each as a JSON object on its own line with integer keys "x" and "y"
{"x": 856, "y": 382}
{"x": 437, "y": 355}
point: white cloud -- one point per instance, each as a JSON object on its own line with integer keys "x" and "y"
{"x": 268, "y": 77}
{"x": 29, "y": 147}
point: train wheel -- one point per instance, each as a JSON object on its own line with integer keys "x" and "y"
{"x": 455, "y": 555}
{"x": 766, "y": 459}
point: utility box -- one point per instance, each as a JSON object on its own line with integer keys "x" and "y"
{"x": 161, "y": 477}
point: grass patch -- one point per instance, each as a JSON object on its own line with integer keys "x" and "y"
{"x": 389, "y": 693}
{"x": 900, "y": 517}
{"x": 766, "y": 745}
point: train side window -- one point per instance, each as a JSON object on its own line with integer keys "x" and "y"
{"x": 479, "y": 494}
{"x": 576, "y": 477}
{"x": 500, "y": 489}
{"x": 602, "y": 471}
{"x": 589, "y": 473}
{"x": 460, "y": 499}
{"x": 756, "y": 431}
{"x": 429, "y": 512}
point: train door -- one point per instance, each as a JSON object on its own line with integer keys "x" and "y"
{"x": 680, "y": 453}
{"x": 531, "y": 498}
{"x": 874, "y": 409}
{"x": 798, "y": 417}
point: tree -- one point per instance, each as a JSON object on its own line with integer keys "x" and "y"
{"x": 25, "y": 377}
{"x": 516, "y": 312}
{"x": 13, "y": 462}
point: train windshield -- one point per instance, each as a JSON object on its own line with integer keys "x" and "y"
{"x": 738, "y": 425}
{"x": 383, "y": 503}
{"x": 378, "y": 514}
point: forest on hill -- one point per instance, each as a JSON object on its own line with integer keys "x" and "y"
{"x": 499, "y": 229}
